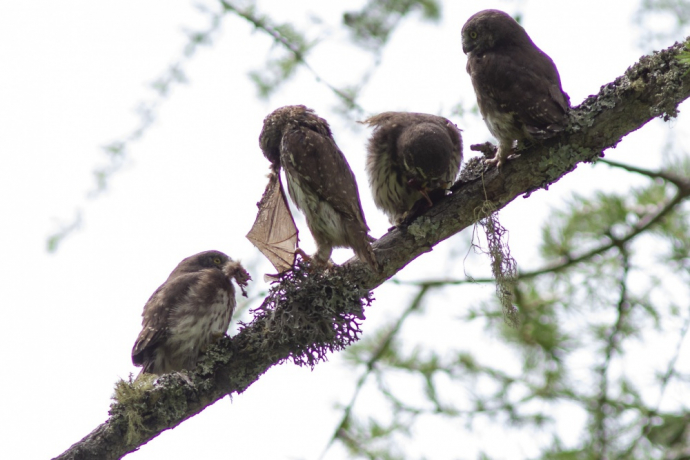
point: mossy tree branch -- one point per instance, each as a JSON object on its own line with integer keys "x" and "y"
{"x": 653, "y": 87}
{"x": 570, "y": 260}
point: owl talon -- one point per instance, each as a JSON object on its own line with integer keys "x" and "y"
{"x": 426, "y": 196}
{"x": 494, "y": 161}
{"x": 306, "y": 257}
{"x": 501, "y": 157}
{"x": 273, "y": 278}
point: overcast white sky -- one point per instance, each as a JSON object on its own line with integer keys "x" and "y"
{"x": 72, "y": 75}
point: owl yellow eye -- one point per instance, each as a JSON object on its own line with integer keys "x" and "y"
{"x": 216, "y": 260}
{"x": 473, "y": 34}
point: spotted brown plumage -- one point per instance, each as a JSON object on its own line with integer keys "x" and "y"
{"x": 188, "y": 312}
{"x": 517, "y": 85}
{"x": 410, "y": 155}
{"x": 320, "y": 181}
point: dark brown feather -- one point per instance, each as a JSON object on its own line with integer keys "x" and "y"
{"x": 320, "y": 181}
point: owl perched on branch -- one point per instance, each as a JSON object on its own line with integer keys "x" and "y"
{"x": 517, "y": 85}
{"x": 410, "y": 156}
{"x": 320, "y": 181}
{"x": 188, "y": 312}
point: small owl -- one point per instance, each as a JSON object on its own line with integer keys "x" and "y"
{"x": 320, "y": 181}
{"x": 188, "y": 312}
{"x": 410, "y": 155}
{"x": 517, "y": 85}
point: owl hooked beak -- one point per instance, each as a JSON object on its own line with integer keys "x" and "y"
{"x": 467, "y": 44}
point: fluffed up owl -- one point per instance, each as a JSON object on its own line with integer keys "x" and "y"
{"x": 410, "y": 157}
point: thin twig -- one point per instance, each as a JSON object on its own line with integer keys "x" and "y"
{"x": 248, "y": 15}
{"x": 665, "y": 380}
{"x": 680, "y": 182}
{"x": 601, "y": 435}
{"x": 566, "y": 262}
{"x": 382, "y": 348}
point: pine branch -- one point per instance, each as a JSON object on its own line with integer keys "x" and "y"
{"x": 651, "y": 88}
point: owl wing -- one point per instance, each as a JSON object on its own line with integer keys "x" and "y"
{"x": 526, "y": 84}
{"x": 455, "y": 136}
{"x": 157, "y": 316}
{"x": 320, "y": 165}
{"x": 274, "y": 231}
